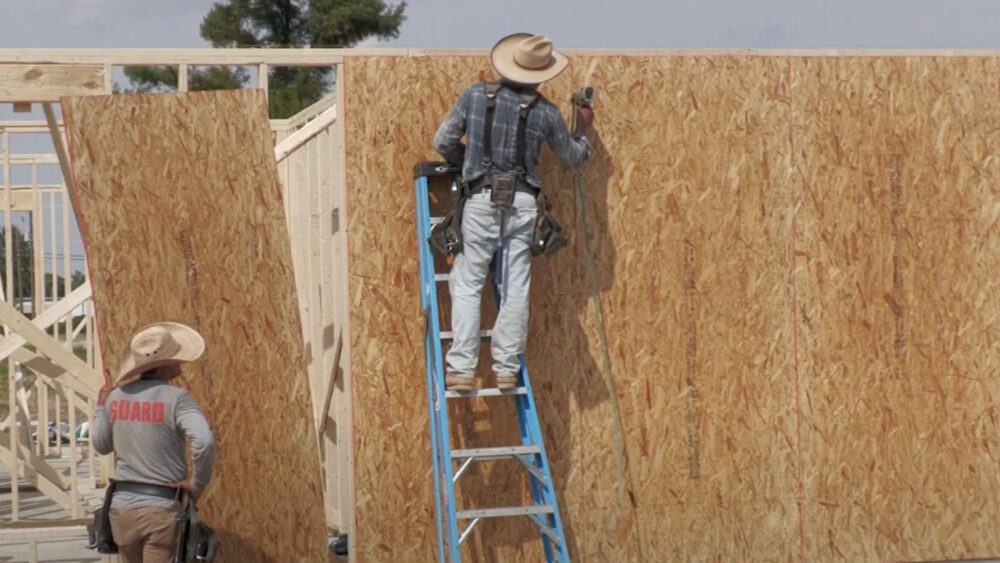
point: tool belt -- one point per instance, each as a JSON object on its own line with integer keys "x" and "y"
{"x": 547, "y": 238}
{"x": 99, "y": 536}
{"x": 446, "y": 236}
{"x": 486, "y": 182}
{"x": 159, "y": 491}
{"x": 195, "y": 540}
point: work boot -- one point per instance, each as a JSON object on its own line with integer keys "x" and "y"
{"x": 459, "y": 382}
{"x": 506, "y": 380}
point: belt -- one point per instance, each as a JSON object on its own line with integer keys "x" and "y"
{"x": 161, "y": 491}
{"x": 483, "y": 182}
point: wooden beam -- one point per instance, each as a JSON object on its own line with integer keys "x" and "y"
{"x": 182, "y": 77}
{"x": 306, "y": 115}
{"x": 67, "y": 172}
{"x": 262, "y": 77}
{"x": 331, "y": 383}
{"x": 25, "y": 158}
{"x": 22, "y": 396}
{"x": 345, "y": 419}
{"x": 22, "y": 107}
{"x": 54, "y": 374}
{"x": 31, "y": 530}
{"x": 38, "y": 472}
{"x": 50, "y": 348}
{"x": 48, "y": 317}
{"x": 40, "y": 465}
{"x": 300, "y": 137}
{"x": 169, "y": 57}
{"x": 21, "y": 199}
{"x": 49, "y": 82}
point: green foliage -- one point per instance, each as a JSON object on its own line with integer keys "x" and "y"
{"x": 156, "y": 79}
{"x": 23, "y": 270}
{"x": 76, "y": 280}
{"x": 21, "y": 251}
{"x": 280, "y": 23}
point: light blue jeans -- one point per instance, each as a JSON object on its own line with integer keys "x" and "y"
{"x": 484, "y": 227}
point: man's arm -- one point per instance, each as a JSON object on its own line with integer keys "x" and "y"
{"x": 193, "y": 424}
{"x": 100, "y": 431}
{"x": 448, "y": 140}
{"x": 571, "y": 151}
{"x": 100, "y": 427}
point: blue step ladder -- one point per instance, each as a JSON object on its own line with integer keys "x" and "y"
{"x": 435, "y": 182}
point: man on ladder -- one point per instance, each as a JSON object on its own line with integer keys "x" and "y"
{"x": 505, "y": 124}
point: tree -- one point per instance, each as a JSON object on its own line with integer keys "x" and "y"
{"x": 24, "y": 271}
{"x": 281, "y": 23}
{"x": 21, "y": 251}
{"x": 76, "y": 279}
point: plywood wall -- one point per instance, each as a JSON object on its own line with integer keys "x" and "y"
{"x": 182, "y": 218}
{"x": 796, "y": 264}
{"x": 897, "y": 254}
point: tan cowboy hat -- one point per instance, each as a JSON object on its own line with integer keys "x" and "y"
{"x": 160, "y": 344}
{"x": 527, "y": 59}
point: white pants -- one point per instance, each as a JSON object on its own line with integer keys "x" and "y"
{"x": 484, "y": 226}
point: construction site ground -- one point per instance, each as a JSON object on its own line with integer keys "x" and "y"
{"x": 58, "y": 537}
{"x": 63, "y": 539}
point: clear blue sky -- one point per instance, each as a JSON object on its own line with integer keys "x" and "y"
{"x": 571, "y": 23}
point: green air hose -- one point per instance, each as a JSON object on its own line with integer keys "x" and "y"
{"x": 609, "y": 380}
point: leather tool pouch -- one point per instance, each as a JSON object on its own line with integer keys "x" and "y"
{"x": 548, "y": 236}
{"x": 504, "y": 187}
{"x": 99, "y": 533}
{"x": 446, "y": 236}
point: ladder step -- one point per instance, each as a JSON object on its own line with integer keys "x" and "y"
{"x": 448, "y": 335}
{"x": 493, "y": 392}
{"x": 442, "y": 277}
{"x": 504, "y": 511}
{"x": 494, "y": 453}
{"x": 436, "y": 220}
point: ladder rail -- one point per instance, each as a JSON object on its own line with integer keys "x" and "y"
{"x": 432, "y": 352}
{"x": 541, "y": 489}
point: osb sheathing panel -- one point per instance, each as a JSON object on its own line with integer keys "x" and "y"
{"x": 796, "y": 261}
{"x": 688, "y": 210}
{"x": 896, "y": 269}
{"x": 182, "y": 216}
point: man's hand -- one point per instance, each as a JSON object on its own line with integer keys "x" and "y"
{"x": 102, "y": 395}
{"x": 584, "y": 119}
{"x": 186, "y": 485}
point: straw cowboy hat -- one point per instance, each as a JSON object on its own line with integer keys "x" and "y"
{"x": 527, "y": 59}
{"x": 160, "y": 344}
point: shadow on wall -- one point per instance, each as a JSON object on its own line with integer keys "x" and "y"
{"x": 571, "y": 375}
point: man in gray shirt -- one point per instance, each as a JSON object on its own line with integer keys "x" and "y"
{"x": 145, "y": 421}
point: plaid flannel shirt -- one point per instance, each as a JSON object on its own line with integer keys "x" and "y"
{"x": 544, "y": 123}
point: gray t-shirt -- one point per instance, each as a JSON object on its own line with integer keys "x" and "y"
{"x": 146, "y": 423}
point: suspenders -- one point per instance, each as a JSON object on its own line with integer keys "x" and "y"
{"x": 526, "y": 100}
